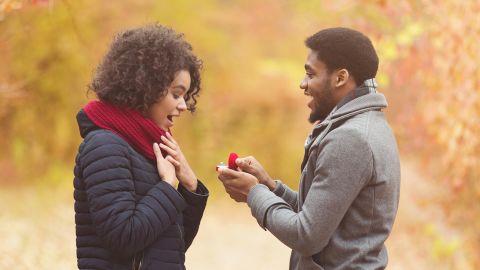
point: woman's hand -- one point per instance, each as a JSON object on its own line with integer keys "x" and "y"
{"x": 165, "y": 168}
{"x": 182, "y": 169}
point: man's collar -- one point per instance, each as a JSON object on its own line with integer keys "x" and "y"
{"x": 367, "y": 87}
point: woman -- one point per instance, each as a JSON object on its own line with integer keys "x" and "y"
{"x": 128, "y": 212}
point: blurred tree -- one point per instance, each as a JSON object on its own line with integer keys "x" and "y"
{"x": 7, "y": 6}
{"x": 435, "y": 81}
{"x": 451, "y": 106}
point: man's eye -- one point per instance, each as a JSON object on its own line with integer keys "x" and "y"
{"x": 309, "y": 75}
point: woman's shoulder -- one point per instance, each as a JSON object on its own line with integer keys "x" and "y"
{"x": 103, "y": 136}
{"x": 104, "y": 142}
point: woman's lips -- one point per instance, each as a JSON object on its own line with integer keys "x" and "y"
{"x": 170, "y": 120}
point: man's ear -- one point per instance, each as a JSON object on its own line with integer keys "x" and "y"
{"x": 342, "y": 77}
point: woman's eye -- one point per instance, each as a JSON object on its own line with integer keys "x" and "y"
{"x": 176, "y": 96}
{"x": 309, "y": 75}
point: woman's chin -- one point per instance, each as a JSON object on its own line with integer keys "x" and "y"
{"x": 166, "y": 126}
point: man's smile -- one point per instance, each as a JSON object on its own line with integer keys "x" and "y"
{"x": 309, "y": 99}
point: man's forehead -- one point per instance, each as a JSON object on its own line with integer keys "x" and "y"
{"x": 312, "y": 61}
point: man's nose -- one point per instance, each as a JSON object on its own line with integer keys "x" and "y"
{"x": 304, "y": 84}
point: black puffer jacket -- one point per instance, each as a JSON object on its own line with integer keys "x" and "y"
{"x": 125, "y": 215}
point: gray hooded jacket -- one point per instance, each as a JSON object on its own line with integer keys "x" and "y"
{"x": 348, "y": 194}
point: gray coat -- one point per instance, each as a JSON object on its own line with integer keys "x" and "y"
{"x": 348, "y": 194}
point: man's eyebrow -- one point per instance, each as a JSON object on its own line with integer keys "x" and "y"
{"x": 308, "y": 67}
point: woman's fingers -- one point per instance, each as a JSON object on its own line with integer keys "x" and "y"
{"x": 170, "y": 137}
{"x": 173, "y": 161}
{"x": 182, "y": 169}
{"x": 169, "y": 150}
{"x": 168, "y": 142}
{"x": 157, "y": 151}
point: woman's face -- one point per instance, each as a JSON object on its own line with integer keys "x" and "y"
{"x": 172, "y": 104}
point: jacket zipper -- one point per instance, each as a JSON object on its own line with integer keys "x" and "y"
{"x": 181, "y": 233}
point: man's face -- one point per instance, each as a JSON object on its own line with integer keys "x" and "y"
{"x": 318, "y": 87}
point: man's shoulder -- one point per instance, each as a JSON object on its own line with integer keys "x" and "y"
{"x": 365, "y": 134}
{"x": 361, "y": 127}
{"x": 357, "y": 134}
{"x": 352, "y": 131}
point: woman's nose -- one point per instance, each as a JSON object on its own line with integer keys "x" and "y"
{"x": 182, "y": 105}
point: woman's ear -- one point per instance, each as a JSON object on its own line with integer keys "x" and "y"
{"x": 342, "y": 77}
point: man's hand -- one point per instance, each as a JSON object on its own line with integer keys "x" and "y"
{"x": 237, "y": 184}
{"x": 252, "y": 166}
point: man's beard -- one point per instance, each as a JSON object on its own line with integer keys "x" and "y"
{"x": 319, "y": 114}
{"x": 324, "y": 103}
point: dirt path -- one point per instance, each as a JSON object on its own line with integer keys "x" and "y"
{"x": 235, "y": 241}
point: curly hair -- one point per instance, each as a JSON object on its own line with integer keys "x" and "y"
{"x": 345, "y": 48}
{"x": 140, "y": 66}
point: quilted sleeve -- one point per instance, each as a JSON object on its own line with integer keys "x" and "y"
{"x": 194, "y": 212}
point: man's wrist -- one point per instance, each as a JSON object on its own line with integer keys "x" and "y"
{"x": 271, "y": 184}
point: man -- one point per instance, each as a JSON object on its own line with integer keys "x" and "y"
{"x": 349, "y": 186}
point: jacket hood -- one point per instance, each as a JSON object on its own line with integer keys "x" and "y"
{"x": 85, "y": 125}
{"x": 368, "y": 102}
{"x": 372, "y": 101}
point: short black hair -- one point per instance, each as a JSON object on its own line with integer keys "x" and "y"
{"x": 140, "y": 65}
{"x": 341, "y": 47}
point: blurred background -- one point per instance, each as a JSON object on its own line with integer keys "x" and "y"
{"x": 251, "y": 104}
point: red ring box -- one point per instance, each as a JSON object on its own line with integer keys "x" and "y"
{"x": 231, "y": 161}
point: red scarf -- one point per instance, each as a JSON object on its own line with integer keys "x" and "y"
{"x": 138, "y": 131}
